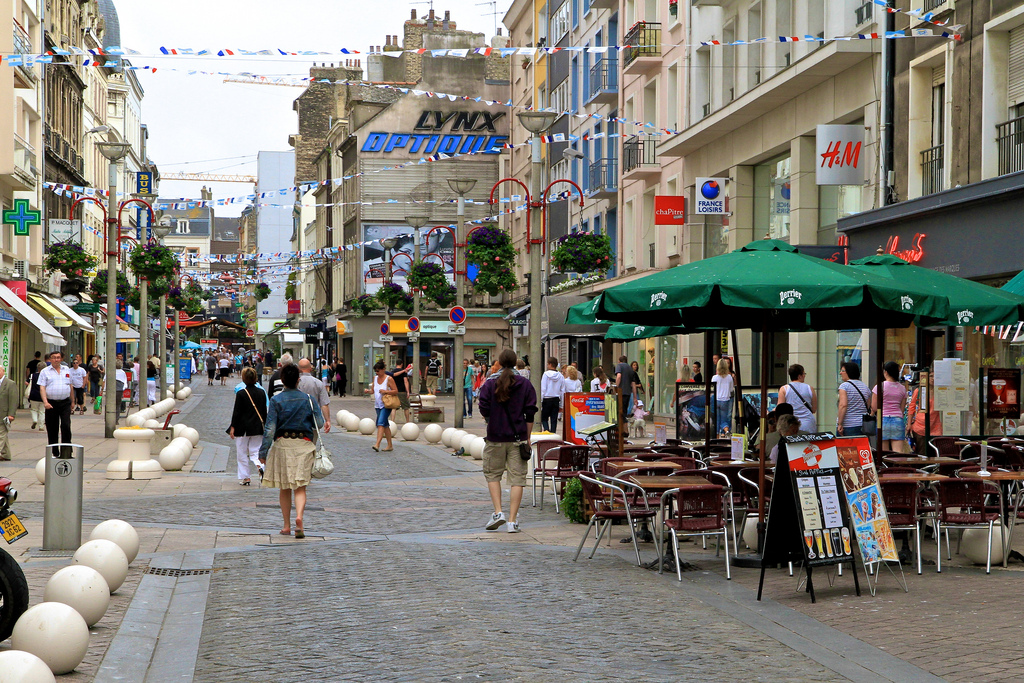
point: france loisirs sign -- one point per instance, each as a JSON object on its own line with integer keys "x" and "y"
{"x": 839, "y": 155}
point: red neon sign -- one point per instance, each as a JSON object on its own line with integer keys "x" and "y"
{"x": 912, "y": 255}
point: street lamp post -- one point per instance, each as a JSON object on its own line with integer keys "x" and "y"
{"x": 461, "y": 187}
{"x": 160, "y": 231}
{"x": 388, "y": 243}
{"x": 113, "y": 151}
{"x": 416, "y": 222}
{"x": 536, "y": 122}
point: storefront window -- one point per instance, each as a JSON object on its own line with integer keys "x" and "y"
{"x": 668, "y": 360}
{"x": 838, "y": 201}
{"x": 772, "y": 197}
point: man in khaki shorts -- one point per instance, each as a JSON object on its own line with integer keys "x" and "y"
{"x": 509, "y": 405}
{"x": 433, "y": 373}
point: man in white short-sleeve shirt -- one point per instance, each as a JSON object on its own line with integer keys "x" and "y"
{"x": 55, "y": 387}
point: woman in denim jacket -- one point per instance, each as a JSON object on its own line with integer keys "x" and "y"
{"x": 288, "y": 448}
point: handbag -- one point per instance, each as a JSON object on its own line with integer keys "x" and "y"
{"x": 391, "y": 401}
{"x": 524, "y": 446}
{"x": 868, "y": 423}
{"x": 322, "y": 465}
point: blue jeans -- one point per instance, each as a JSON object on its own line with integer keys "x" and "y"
{"x": 467, "y": 401}
{"x": 383, "y": 415}
{"x": 723, "y": 415}
{"x": 853, "y": 431}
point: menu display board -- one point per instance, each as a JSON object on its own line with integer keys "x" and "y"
{"x": 952, "y": 384}
{"x": 867, "y": 509}
{"x": 582, "y": 410}
{"x": 1002, "y": 396}
{"x": 818, "y": 487}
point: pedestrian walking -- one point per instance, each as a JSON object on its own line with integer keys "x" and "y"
{"x": 802, "y": 397}
{"x": 325, "y": 371}
{"x": 288, "y": 448}
{"x": 853, "y": 401}
{"x": 342, "y": 371}
{"x": 724, "y": 385}
{"x": 275, "y": 384}
{"x": 401, "y": 377}
{"x": 33, "y": 365}
{"x": 315, "y": 389}
{"x": 521, "y": 369}
{"x": 383, "y": 385}
{"x": 624, "y": 380}
{"x": 55, "y": 390}
{"x": 916, "y": 415}
{"x": 225, "y": 367}
{"x": 600, "y": 381}
{"x": 509, "y": 405}
{"x": 151, "y": 373}
{"x": 78, "y": 377}
{"x": 433, "y": 373}
{"x": 468, "y": 376}
{"x": 698, "y": 376}
{"x": 10, "y": 399}
{"x": 247, "y": 422}
{"x": 635, "y": 367}
{"x": 35, "y": 401}
{"x": 95, "y": 370}
{"x": 894, "y": 402}
{"x": 211, "y": 368}
{"x": 552, "y": 387}
{"x": 573, "y": 383}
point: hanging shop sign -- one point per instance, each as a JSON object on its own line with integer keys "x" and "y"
{"x": 840, "y": 161}
{"x": 440, "y": 132}
{"x": 710, "y": 196}
{"x": 669, "y": 210}
{"x": 1003, "y": 396}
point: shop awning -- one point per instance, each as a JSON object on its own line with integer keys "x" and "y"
{"x": 48, "y": 309}
{"x": 29, "y": 315}
{"x": 557, "y": 307}
{"x": 66, "y": 312}
{"x": 127, "y": 333}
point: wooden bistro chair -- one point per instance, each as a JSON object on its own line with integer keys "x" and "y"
{"x": 695, "y": 511}
{"x": 612, "y": 499}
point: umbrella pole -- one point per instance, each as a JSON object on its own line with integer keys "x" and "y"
{"x": 880, "y": 383}
{"x": 763, "y": 456}
{"x": 738, "y": 405}
{"x": 708, "y": 353}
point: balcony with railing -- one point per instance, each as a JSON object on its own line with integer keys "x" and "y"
{"x": 644, "y": 53}
{"x": 931, "y": 170}
{"x": 604, "y": 82}
{"x": 639, "y": 157}
{"x": 604, "y": 176}
{"x": 1010, "y": 139}
{"x": 24, "y": 76}
{"x": 21, "y": 174}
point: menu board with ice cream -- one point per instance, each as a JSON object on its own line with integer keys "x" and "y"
{"x": 864, "y": 496}
{"x": 819, "y": 492}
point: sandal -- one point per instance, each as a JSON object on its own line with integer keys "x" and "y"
{"x": 376, "y": 450}
{"x": 285, "y": 532}
{"x": 244, "y": 482}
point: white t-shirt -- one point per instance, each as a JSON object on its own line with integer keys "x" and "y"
{"x": 573, "y": 385}
{"x": 78, "y": 376}
{"x": 597, "y": 386}
{"x": 223, "y": 363}
{"x": 121, "y": 376}
{"x": 724, "y": 387}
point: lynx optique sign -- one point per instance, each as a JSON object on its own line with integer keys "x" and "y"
{"x": 467, "y": 131}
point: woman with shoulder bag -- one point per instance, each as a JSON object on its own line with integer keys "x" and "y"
{"x": 853, "y": 401}
{"x": 509, "y": 405}
{"x": 385, "y": 399}
{"x": 247, "y": 421}
{"x": 288, "y": 448}
{"x": 801, "y": 396}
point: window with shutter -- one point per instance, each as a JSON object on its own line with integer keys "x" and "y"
{"x": 1015, "y": 75}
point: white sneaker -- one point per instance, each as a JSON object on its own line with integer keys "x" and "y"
{"x": 497, "y": 519}
{"x": 513, "y": 528}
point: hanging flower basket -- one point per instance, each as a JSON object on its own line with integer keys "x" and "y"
{"x": 98, "y": 286}
{"x": 186, "y": 299}
{"x": 69, "y": 258}
{"x": 582, "y": 252}
{"x": 406, "y": 303}
{"x": 262, "y": 291}
{"x": 153, "y": 261}
{"x": 364, "y": 305}
{"x": 390, "y": 295}
{"x": 491, "y": 250}
{"x": 429, "y": 279}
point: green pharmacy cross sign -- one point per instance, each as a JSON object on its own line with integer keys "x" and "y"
{"x": 21, "y": 217}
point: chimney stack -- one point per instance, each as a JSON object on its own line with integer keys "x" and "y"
{"x": 447, "y": 20}
{"x": 413, "y": 17}
{"x": 394, "y": 40}
{"x": 430, "y": 18}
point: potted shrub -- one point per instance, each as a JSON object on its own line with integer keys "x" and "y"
{"x": 69, "y": 258}
{"x": 429, "y": 279}
{"x": 582, "y": 252}
{"x": 491, "y": 250}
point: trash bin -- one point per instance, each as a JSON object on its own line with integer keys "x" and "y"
{"x": 62, "y": 501}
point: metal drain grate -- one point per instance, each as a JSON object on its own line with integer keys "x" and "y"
{"x": 176, "y": 573}
{"x": 39, "y": 552}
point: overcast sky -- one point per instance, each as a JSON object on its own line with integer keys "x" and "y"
{"x": 198, "y": 123}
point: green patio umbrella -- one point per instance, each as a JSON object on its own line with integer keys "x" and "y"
{"x": 583, "y": 313}
{"x": 624, "y": 332}
{"x": 769, "y": 285}
{"x": 1016, "y": 285}
{"x": 970, "y": 303}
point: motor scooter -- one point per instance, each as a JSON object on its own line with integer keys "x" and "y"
{"x": 13, "y": 586}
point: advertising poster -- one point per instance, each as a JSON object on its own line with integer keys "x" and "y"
{"x": 819, "y": 492}
{"x": 1002, "y": 398}
{"x": 582, "y": 410}
{"x": 436, "y": 246}
{"x": 867, "y": 509}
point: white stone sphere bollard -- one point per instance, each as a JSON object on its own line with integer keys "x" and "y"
{"x": 750, "y": 532}
{"x": 339, "y": 417}
{"x": 192, "y": 434}
{"x": 153, "y": 424}
{"x": 174, "y": 455}
{"x": 410, "y": 431}
{"x": 41, "y": 470}
{"x": 82, "y": 588}
{"x": 466, "y": 441}
{"x": 181, "y": 395}
{"x": 23, "y": 667}
{"x": 120, "y": 532}
{"x": 55, "y": 633}
{"x": 476, "y": 449}
{"x": 176, "y": 430}
{"x": 136, "y": 420}
{"x": 105, "y": 557}
{"x": 393, "y": 427}
{"x": 432, "y": 433}
{"x": 446, "y": 436}
{"x": 351, "y": 422}
{"x": 455, "y": 439}
{"x": 974, "y": 544}
{"x": 367, "y": 426}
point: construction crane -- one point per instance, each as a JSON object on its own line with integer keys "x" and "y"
{"x": 264, "y": 80}
{"x": 209, "y": 177}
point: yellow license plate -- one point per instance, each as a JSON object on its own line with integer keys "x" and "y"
{"x": 12, "y": 528}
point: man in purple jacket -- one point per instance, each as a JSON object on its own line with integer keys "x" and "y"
{"x": 509, "y": 405}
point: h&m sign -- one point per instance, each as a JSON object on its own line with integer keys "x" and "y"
{"x": 468, "y": 131}
{"x": 840, "y": 161}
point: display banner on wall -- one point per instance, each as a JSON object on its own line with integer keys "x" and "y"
{"x": 1002, "y": 400}
{"x": 436, "y": 246}
{"x": 669, "y": 210}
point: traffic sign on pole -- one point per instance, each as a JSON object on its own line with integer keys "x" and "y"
{"x": 457, "y": 315}
{"x": 385, "y": 328}
{"x": 386, "y": 338}
{"x": 250, "y": 333}
{"x": 413, "y": 324}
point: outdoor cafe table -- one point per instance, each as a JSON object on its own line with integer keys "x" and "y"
{"x": 665, "y": 483}
{"x": 617, "y": 468}
{"x": 1006, "y": 481}
{"x": 912, "y": 461}
{"x": 918, "y": 476}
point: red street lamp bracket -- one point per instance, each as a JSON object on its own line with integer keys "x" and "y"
{"x": 529, "y": 202}
{"x": 544, "y": 207}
